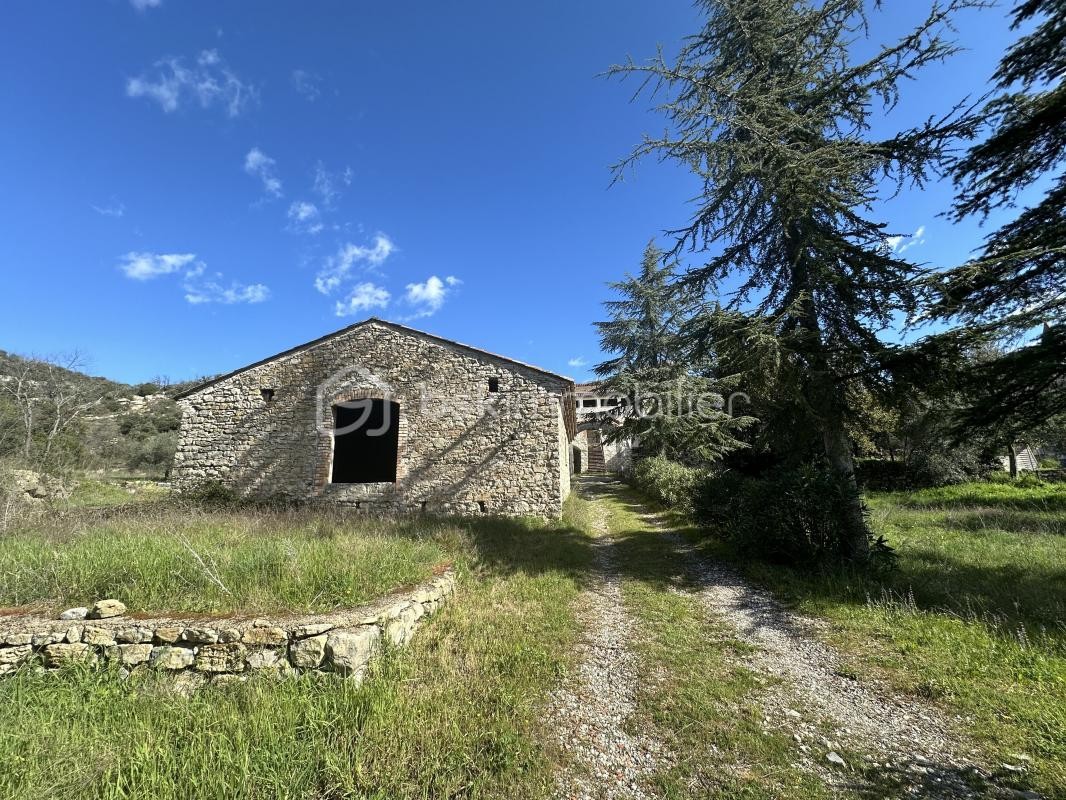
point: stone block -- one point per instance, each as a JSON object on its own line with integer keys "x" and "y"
{"x": 101, "y": 637}
{"x": 196, "y": 635}
{"x": 56, "y": 655}
{"x": 132, "y": 654}
{"x": 309, "y": 653}
{"x": 348, "y": 652}
{"x": 167, "y": 657}
{"x": 135, "y": 634}
{"x": 102, "y": 609}
{"x": 265, "y": 636}
{"x": 13, "y": 656}
{"x": 228, "y": 657}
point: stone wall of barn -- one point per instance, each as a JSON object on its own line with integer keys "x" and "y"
{"x": 267, "y": 431}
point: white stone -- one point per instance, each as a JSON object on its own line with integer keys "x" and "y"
{"x": 348, "y": 652}
{"x": 167, "y": 657}
{"x": 102, "y": 609}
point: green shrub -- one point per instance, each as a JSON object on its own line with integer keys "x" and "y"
{"x": 798, "y": 514}
{"x": 794, "y": 514}
{"x": 672, "y": 484}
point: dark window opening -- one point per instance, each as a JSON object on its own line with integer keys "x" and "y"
{"x": 494, "y": 384}
{"x": 366, "y": 441}
{"x": 590, "y": 403}
{"x": 268, "y": 395}
{"x": 612, "y": 401}
{"x": 482, "y": 506}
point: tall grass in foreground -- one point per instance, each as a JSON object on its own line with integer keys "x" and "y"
{"x": 974, "y": 618}
{"x": 164, "y": 558}
{"x": 457, "y": 714}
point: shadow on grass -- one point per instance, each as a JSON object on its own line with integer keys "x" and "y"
{"x": 982, "y": 520}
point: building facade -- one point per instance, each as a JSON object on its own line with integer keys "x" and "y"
{"x": 382, "y": 417}
{"x": 591, "y": 450}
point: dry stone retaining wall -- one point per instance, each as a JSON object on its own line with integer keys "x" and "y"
{"x": 226, "y": 649}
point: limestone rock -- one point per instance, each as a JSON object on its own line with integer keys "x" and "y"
{"x": 132, "y": 654}
{"x": 166, "y": 657}
{"x": 263, "y": 659}
{"x": 13, "y": 656}
{"x": 102, "y": 609}
{"x": 308, "y": 653}
{"x": 347, "y": 652}
{"x": 399, "y": 629}
{"x": 303, "y": 631}
{"x": 135, "y": 634}
{"x": 48, "y": 637}
{"x": 73, "y": 634}
{"x": 265, "y": 635}
{"x": 79, "y": 612}
{"x": 221, "y": 657}
{"x": 199, "y": 635}
{"x": 229, "y": 635}
{"x": 98, "y": 636}
{"x": 168, "y": 634}
{"x": 56, "y": 655}
{"x": 18, "y": 638}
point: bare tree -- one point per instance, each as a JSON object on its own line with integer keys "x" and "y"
{"x": 48, "y": 401}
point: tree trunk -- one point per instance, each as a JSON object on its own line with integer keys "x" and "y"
{"x": 838, "y": 451}
{"x": 827, "y": 397}
{"x": 1012, "y": 460}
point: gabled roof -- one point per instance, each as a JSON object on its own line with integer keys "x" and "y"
{"x": 384, "y": 323}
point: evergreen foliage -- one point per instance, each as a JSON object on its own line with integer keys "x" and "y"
{"x": 767, "y": 105}
{"x": 1018, "y": 280}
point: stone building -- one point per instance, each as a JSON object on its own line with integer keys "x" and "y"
{"x": 597, "y": 411}
{"x": 382, "y": 417}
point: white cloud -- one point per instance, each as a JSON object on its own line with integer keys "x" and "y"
{"x": 209, "y": 82}
{"x": 304, "y": 218}
{"x": 306, "y": 83}
{"x": 330, "y": 185}
{"x": 901, "y": 244}
{"x": 199, "y": 288}
{"x": 259, "y": 165}
{"x": 363, "y": 297}
{"x": 577, "y": 362}
{"x": 429, "y": 296}
{"x": 144, "y": 266}
{"x": 213, "y": 292}
{"x": 142, "y": 5}
{"x": 113, "y": 209}
{"x": 339, "y": 266}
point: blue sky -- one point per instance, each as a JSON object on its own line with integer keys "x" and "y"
{"x": 191, "y": 186}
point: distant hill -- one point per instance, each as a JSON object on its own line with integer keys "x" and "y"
{"x": 126, "y": 427}
{"x": 12, "y": 364}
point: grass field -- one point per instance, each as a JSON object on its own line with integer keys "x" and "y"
{"x": 161, "y": 557}
{"x": 974, "y": 618}
{"x": 458, "y": 714}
